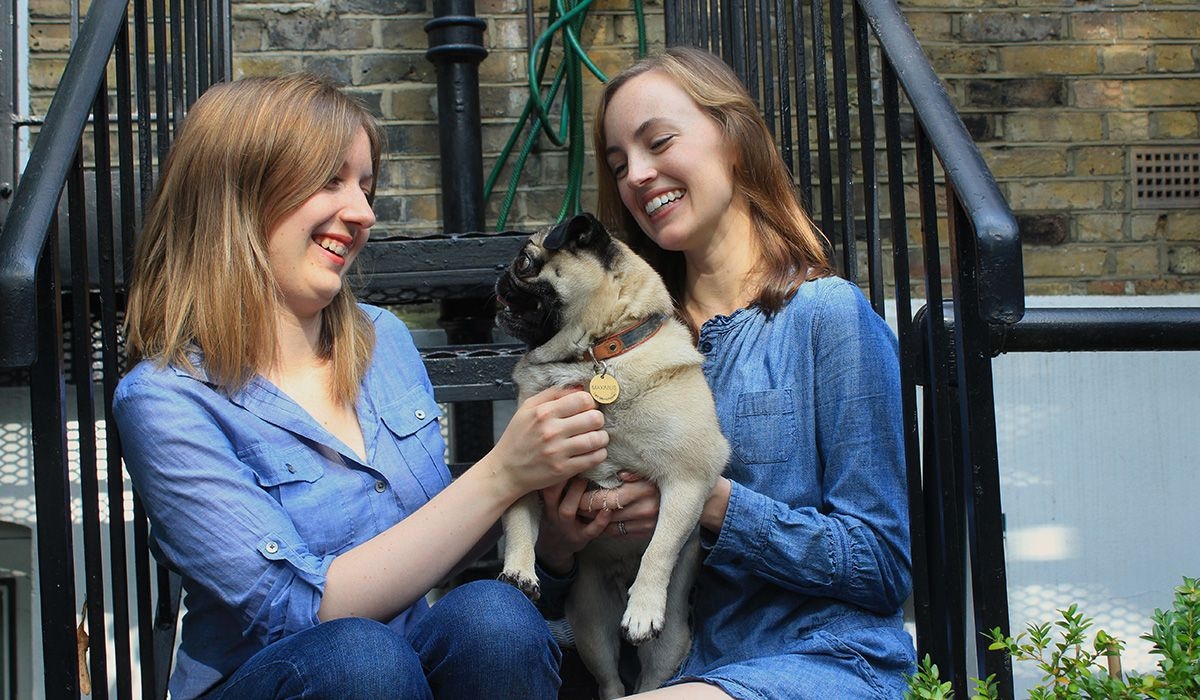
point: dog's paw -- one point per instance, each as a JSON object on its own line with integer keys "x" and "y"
{"x": 639, "y": 629}
{"x": 527, "y": 583}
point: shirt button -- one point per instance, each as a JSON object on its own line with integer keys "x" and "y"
{"x": 272, "y": 547}
{"x": 706, "y": 347}
{"x": 291, "y": 468}
{"x": 380, "y": 487}
{"x": 420, "y": 414}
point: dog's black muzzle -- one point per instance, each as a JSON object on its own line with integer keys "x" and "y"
{"x": 528, "y": 312}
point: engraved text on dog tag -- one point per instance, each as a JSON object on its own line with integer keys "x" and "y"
{"x": 604, "y": 388}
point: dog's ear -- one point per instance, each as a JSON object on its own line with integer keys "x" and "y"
{"x": 580, "y": 231}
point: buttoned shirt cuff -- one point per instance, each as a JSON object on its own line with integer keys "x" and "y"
{"x": 294, "y": 597}
{"x": 741, "y": 531}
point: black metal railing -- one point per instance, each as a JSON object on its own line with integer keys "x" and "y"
{"x": 62, "y": 270}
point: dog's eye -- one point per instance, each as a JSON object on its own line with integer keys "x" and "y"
{"x": 525, "y": 264}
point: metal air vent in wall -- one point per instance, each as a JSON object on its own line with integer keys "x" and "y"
{"x": 1165, "y": 177}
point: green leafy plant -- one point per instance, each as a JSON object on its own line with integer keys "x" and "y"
{"x": 926, "y": 683}
{"x": 1072, "y": 668}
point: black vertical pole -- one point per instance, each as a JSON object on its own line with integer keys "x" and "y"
{"x": 944, "y": 436}
{"x": 456, "y": 49}
{"x": 52, "y": 484}
{"x": 981, "y": 487}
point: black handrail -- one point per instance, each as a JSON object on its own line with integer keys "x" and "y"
{"x": 1108, "y": 329}
{"x": 53, "y": 306}
{"x": 35, "y": 201}
{"x": 1086, "y": 329}
{"x": 29, "y": 321}
{"x": 996, "y": 235}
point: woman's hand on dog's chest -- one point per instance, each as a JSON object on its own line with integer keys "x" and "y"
{"x": 574, "y": 515}
{"x": 632, "y": 505}
{"x": 554, "y": 435}
{"x": 563, "y": 532}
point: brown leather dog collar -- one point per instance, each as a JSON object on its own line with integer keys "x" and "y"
{"x": 626, "y": 339}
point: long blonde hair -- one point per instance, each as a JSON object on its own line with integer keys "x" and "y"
{"x": 248, "y": 153}
{"x": 792, "y": 248}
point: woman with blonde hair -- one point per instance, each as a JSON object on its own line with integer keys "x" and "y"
{"x": 284, "y": 438}
{"x": 805, "y": 536}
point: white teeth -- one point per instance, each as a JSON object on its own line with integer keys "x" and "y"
{"x": 665, "y": 198}
{"x": 334, "y": 247}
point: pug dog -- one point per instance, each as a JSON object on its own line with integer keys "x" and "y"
{"x": 595, "y": 314}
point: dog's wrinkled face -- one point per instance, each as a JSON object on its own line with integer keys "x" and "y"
{"x": 556, "y": 270}
{"x": 530, "y": 309}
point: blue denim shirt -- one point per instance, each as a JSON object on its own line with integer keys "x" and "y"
{"x": 250, "y": 499}
{"x": 816, "y": 534}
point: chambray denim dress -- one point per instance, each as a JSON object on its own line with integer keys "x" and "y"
{"x": 800, "y": 593}
{"x": 253, "y": 499}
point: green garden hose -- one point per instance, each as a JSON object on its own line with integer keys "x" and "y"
{"x": 566, "y": 17}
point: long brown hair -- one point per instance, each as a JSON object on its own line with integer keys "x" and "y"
{"x": 792, "y": 248}
{"x": 248, "y": 153}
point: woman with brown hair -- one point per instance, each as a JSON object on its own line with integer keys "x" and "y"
{"x": 284, "y": 438}
{"x": 805, "y": 536}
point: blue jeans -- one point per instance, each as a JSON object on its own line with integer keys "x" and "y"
{"x": 483, "y": 639}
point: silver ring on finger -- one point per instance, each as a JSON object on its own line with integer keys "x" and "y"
{"x": 621, "y": 528}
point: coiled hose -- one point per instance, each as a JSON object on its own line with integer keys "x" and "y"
{"x": 566, "y": 17}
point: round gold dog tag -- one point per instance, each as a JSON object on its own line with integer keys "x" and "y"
{"x": 604, "y": 388}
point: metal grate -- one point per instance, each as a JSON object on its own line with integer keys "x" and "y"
{"x": 1166, "y": 177}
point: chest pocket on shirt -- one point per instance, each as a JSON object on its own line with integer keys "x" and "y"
{"x": 299, "y": 481}
{"x": 765, "y": 428}
{"x": 413, "y": 420}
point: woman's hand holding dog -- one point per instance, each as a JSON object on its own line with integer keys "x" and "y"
{"x": 553, "y": 435}
{"x": 633, "y": 506}
{"x": 563, "y": 532}
{"x": 574, "y": 516}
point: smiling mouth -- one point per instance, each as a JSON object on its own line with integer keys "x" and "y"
{"x": 333, "y": 246}
{"x": 662, "y": 200}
